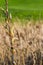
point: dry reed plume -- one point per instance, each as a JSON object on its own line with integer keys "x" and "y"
{"x": 27, "y": 43}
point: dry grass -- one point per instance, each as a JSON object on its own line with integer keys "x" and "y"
{"x": 27, "y": 43}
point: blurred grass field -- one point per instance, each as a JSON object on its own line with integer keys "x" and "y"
{"x": 22, "y": 40}
{"x": 24, "y": 8}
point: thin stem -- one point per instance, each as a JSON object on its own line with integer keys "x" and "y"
{"x": 6, "y": 1}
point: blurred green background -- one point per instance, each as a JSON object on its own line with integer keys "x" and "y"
{"x": 24, "y": 8}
